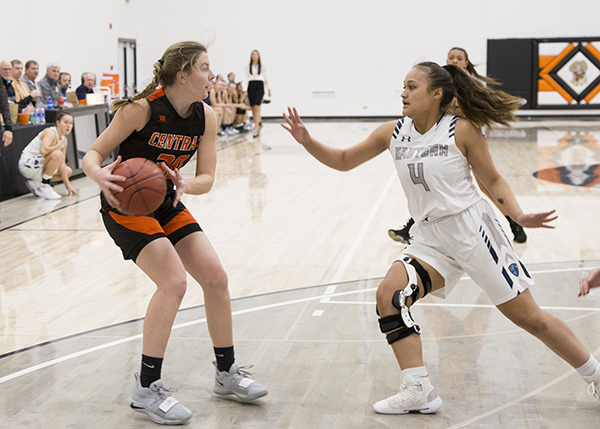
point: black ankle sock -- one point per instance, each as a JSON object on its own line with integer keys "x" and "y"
{"x": 225, "y": 357}
{"x": 46, "y": 181}
{"x": 151, "y": 367}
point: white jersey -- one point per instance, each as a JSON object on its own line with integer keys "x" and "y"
{"x": 434, "y": 173}
{"x": 33, "y": 148}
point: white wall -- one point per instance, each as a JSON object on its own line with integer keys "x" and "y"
{"x": 359, "y": 50}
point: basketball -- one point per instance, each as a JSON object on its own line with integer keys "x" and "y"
{"x": 144, "y": 188}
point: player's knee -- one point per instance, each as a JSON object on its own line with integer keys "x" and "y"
{"x": 535, "y": 324}
{"x": 383, "y": 296}
{"x": 218, "y": 282}
{"x": 176, "y": 287}
{"x": 55, "y": 155}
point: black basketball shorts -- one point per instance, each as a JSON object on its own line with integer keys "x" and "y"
{"x": 133, "y": 233}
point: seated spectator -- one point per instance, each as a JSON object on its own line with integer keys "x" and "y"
{"x": 14, "y": 92}
{"x": 44, "y": 159}
{"x": 64, "y": 81}
{"x": 221, "y": 103}
{"x": 237, "y": 95}
{"x": 231, "y": 78}
{"x": 32, "y": 70}
{"x": 7, "y": 136}
{"x": 88, "y": 82}
{"x": 49, "y": 84}
{"x": 22, "y": 91}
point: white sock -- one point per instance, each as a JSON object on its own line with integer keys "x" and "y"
{"x": 46, "y": 176}
{"x": 417, "y": 372}
{"x": 589, "y": 368}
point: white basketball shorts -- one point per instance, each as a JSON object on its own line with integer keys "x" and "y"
{"x": 471, "y": 242}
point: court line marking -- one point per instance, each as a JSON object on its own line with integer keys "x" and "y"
{"x": 344, "y": 265}
{"x": 434, "y": 304}
{"x": 517, "y": 400}
{"x": 196, "y": 322}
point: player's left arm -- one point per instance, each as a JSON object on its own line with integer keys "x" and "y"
{"x": 206, "y": 160}
{"x": 474, "y": 147}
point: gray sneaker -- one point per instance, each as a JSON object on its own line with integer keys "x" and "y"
{"x": 156, "y": 401}
{"x": 238, "y": 382}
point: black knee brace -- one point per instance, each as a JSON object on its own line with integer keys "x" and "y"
{"x": 399, "y": 326}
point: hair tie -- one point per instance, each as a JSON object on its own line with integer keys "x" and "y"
{"x": 129, "y": 100}
{"x": 161, "y": 62}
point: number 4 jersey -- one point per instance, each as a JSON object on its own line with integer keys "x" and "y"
{"x": 435, "y": 175}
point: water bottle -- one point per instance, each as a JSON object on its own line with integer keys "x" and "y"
{"x": 50, "y": 105}
{"x": 36, "y": 116}
{"x": 42, "y": 116}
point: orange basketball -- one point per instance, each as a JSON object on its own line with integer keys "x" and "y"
{"x": 144, "y": 188}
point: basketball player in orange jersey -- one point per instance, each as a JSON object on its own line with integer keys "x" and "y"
{"x": 167, "y": 125}
{"x": 456, "y": 231}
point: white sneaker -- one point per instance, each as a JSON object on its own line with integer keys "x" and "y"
{"x": 237, "y": 382}
{"x": 156, "y": 401}
{"x": 233, "y": 131}
{"x": 594, "y": 383}
{"x": 415, "y": 395}
{"x": 32, "y": 185}
{"x": 45, "y": 191}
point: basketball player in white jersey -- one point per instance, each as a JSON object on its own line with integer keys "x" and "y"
{"x": 456, "y": 230}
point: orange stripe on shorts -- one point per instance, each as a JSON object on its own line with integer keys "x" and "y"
{"x": 143, "y": 224}
{"x": 182, "y": 219}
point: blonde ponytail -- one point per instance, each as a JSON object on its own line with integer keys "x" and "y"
{"x": 179, "y": 57}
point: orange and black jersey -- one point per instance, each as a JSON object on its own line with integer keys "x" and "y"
{"x": 167, "y": 137}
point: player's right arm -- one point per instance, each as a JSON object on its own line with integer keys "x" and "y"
{"x": 131, "y": 117}
{"x": 340, "y": 159}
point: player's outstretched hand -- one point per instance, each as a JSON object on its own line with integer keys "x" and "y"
{"x": 295, "y": 126}
{"x": 537, "y": 220}
{"x": 591, "y": 280}
{"x": 109, "y": 183}
{"x": 178, "y": 181}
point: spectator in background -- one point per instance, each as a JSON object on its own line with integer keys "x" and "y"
{"x": 7, "y": 83}
{"x": 65, "y": 83}
{"x": 7, "y": 135}
{"x": 88, "y": 82}
{"x": 5, "y": 79}
{"x": 231, "y": 78}
{"x": 32, "y": 70}
{"x": 22, "y": 91}
{"x": 49, "y": 84}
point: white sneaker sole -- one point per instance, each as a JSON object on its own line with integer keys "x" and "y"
{"x": 248, "y": 398}
{"x": 428, "y": 408}
{"x": 140, "y": 408}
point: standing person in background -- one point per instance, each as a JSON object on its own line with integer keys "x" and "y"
{"x": 32, "y": 70}
{"x": 169, "y": 243}
{"x": 256, "y": 76}
{"x": 49, "y": 84}
{"x": 456, "y": 230}
{"x": 459, "y": 58}
{"x": 43, "y": 160}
